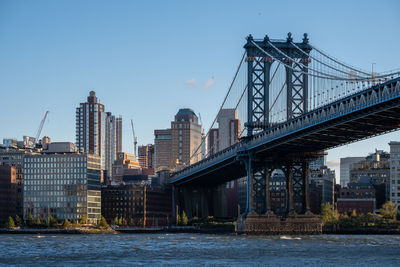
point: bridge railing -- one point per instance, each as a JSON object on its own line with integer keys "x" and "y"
{"x": 359, "y": 100}
{"x": 373, "y": 95}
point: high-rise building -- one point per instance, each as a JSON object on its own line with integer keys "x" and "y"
{"x": 324, "y": 179}
{"x": 98, "y": 132}
{"x": 118, "y": 141}
{"x": 185, "y": 137}
{"x": 162, "y": 149}
{"x": 145, "y": 156}
{"x": 213, "y": 141}
{"x": 395, "y": 173}
{"x": 63, "y": 184}
{"x": 228, "y": 128}
{"x": 227, "y": 133}
{"x": 318, "y": 163}
{"x": 345, "y": 167}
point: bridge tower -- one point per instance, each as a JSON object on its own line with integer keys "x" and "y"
{"x": 261, "y": 54}
{"x": 259, "y": 78}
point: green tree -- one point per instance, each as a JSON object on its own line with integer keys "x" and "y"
{"x": 66, "y": 224}
{"x": 52, "y": 221}
{"x": 10, "y": 222}
{"x": 84, "y": 219}
{"x": 120, "y": 221}
{"x": 102, "y": 223}
{"x": 178, "y": 220}
{"x": 184, "y": 218}
{"x": 38, "y": 222}
{"x": 18, "y": 221}
{"x": 328, "y": 215}
{"x": 31, "y": 221}
{"x": 116, "y": 220}
{"x": 388, "y": 210}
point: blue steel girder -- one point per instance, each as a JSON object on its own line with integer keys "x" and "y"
{"x": 361, "y": 115}
{"x": 259, "y": 67}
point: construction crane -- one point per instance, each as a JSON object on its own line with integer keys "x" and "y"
{"x": 41, "y": 127}
{"x": 134, "y": 138}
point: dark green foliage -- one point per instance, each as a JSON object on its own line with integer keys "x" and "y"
{"x": 18, "y": 221}
{"x": 10, "y": 222}
{"x": 66, "y": 224}
{"x": 389, "y": 211}
{"x": 30, "y": 221}
{"x": 84, "y": 219}
{"x": 102, "y": 224}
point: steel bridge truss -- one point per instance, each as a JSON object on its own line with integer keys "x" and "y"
{"x": 297, "y": 192}
{"x": 258, "y": 71}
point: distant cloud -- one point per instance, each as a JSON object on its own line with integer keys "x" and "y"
{"x": 192, "y": 83}
{"x": 208, "y": 84}
{"x": 333, "y": 163}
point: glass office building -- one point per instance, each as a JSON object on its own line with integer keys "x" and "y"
{"x": 65, "y": 186}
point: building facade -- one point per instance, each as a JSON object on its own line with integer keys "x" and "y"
{"x": 98, "y": 132}
{"x": 8, "y": 192}
{"x": 345, "y": 167}
{"x": 376, "y": 166}
{"x": 137, "y": 205}
{"x": 395, "y": 173}
{"x": 125, "y": 164}
{"x": 359, "y": 196}
{"x": 13, "y": 156}
{"x": 185, "y": 137}
{"x": 146, "y": 156}
{"x": 162, "y": 149}
{"x": 63, "y": 185}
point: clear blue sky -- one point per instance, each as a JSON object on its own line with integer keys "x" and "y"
{"x": 137, "y": 56}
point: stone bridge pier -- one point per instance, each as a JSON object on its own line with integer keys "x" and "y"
{"x": 259, "y": 216}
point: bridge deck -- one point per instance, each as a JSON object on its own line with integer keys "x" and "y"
{"x": 359, "y": 116}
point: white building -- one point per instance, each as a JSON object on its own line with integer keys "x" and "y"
{"x": 345, "y": 167}
{"x": 63, "y": 185}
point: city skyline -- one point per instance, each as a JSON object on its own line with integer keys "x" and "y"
{"x": 117, "y": 49}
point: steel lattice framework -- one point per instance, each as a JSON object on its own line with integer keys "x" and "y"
{"x": 259, "y": 68}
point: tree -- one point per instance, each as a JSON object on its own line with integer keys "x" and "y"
{"x": 38, "y": 222}
{"x": 66, "y": 224}
{"x": 74, "y": 222}
{"x": 18, "y": 221}
{"x": 10, "y": 222}
{"x": 184, "y": 218}
{"x": 120, "y": 221}
{"x": 131, "y": 222}
{"x": 178, "y": 220}
{"x": 30, "y": 221}
{"x": 328, "y": 215}
{"x": 52, "y": 221}
{"x": 84, "y": 219}
{"x": 116, "y": 220}
{"x": 102, "y": 224}
{"x": 388, "y": 210}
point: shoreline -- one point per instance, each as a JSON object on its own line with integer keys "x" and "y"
{"x": 194, "y": 230}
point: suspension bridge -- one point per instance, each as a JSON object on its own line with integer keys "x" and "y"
{"x": 294, "y": 101}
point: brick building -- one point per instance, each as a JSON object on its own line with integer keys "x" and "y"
{"x": 143, "y": 205}
{"x": 8, "y": 192}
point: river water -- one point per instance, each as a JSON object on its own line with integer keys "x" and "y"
{"x": 199, "y": 249}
